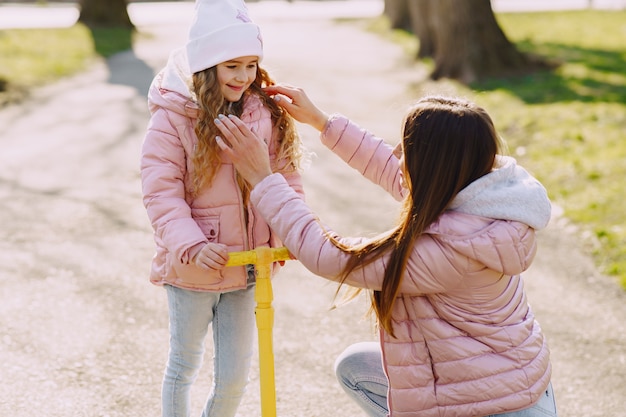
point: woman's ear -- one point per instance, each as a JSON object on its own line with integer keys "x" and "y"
{"x": 403, "y": 183}
{"x": 397, "y": 151}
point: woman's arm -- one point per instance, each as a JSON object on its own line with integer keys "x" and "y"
{"x": 258, "y": 119}
{"x": 369, "y": 155}
{"x": 300, "y": 229}
{"x": 298, "y": 105}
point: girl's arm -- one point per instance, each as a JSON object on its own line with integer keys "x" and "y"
{"x": 163, "y": 171}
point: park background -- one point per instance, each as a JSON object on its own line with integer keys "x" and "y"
{"x": 82, "y": 329}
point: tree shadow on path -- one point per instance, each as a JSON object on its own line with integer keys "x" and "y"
{"x": 125, "y": 68}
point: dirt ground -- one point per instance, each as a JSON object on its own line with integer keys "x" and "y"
{"x": 83, "y": 333}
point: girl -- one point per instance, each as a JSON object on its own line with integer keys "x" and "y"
{"x": 198, "y": 205}
{"x": 457, "y": 336}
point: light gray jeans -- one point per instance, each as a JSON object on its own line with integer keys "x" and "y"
{"x": 360, "y": 372}
{"x": 232, "y": 317}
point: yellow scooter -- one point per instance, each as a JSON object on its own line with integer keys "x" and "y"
{"x": 262, "y": 258}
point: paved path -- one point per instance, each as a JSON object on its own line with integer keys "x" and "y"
{"x": 85, "y": 334}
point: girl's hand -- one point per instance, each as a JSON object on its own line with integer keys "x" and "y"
{"x": 295, "y": 101}
{"x": 213, "y": 256}
{"x": 247, "y": 151}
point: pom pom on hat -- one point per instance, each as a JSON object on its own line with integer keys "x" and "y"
{"x": 221, "y": 31}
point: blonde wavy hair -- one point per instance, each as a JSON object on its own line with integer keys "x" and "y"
{"x": 206, "y": 158}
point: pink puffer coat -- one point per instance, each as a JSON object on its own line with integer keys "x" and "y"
{"x": 467, "y": 343}
{"x": 180, "y": 220}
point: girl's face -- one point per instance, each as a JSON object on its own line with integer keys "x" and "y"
{"x": 236, "y": 75}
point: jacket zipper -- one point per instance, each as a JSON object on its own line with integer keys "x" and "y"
{"x": 242, "y": 214}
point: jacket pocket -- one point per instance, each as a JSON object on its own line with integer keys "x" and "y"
{"x": 210, "y": 226}
{"x": 191, "y": 275}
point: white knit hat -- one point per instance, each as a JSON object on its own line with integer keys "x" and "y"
{"x": 221, "y": 31}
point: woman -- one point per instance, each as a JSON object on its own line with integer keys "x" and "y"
{"x": 457, "y": 336}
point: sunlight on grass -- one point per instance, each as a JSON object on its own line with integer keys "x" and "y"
{"x": 35, "y": 56}
{"x": 575, "y": 142}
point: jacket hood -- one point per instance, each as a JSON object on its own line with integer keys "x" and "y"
{"x": 509, "y": 192}
{"x": 170, "y": 88}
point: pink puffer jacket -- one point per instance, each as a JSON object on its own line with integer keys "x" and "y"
{"x": 180, "y": 220}
{"x": 467, "y": 343}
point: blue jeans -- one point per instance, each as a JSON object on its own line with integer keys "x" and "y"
{"x": 232, "y": 317}
{"x": 360, "y": 372}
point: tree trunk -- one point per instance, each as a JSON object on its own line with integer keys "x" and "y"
{"x": 463, "y": 38}
{"x": 470, "y": 45}
{"x": 110, "y": 13}
{"x": 421, "y": 13}
{"x": 397, "y": 11}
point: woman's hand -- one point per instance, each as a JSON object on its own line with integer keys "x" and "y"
{"x": 295, "y": 101}
{"x": 248, "y": 152}
{"x": 212, "y": 256}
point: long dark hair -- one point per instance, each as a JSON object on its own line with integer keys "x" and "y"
{"x": 447, "y": 144}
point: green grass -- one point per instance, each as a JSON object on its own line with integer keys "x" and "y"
{"x": 36, "y": 56}
{"x": 567, "y": 126}
{"x": 33, "y": 57}
{"x": 570, "y": 125}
